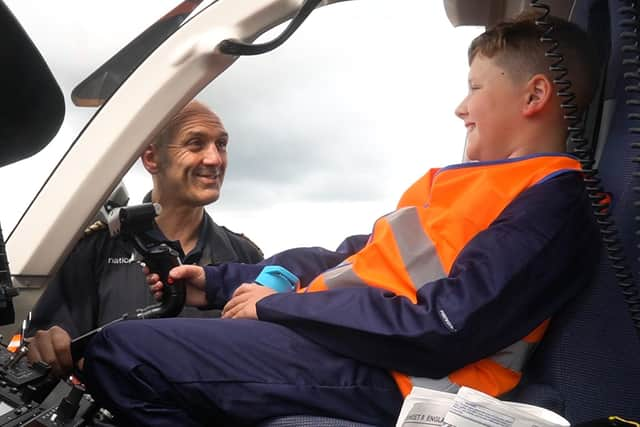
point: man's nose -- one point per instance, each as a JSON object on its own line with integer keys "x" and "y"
{"x": 212, "y": 155}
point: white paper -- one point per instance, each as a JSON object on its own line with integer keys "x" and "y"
{"x": 471, "y": 408}
{"x": 424, "y": 407}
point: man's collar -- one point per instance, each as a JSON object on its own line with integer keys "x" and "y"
{"x": 199, "y": 249}
{"x": 194, "y": 255}
{"x": 213, "y": 245}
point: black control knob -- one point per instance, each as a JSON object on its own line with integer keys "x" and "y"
{"x": 68, "y": 407}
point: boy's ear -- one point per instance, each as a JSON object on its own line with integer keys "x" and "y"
{"x": 539, "y": 93}
{"x": 151, "y": 159}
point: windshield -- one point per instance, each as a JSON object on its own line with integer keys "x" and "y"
{"x": 75, "y": 38}
{"x": 103, "y": 82}
{"x": 325, "y": 132}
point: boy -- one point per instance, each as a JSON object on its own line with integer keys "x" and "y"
{"x": 453, "y": 288}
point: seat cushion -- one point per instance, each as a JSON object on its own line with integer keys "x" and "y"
{"x": 309, "y": 421}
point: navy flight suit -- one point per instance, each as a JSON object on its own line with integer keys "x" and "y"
{"x": 330, "y": 353}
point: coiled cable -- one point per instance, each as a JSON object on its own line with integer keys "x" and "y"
{"x": 583, "y": 150}
{"x": 630, "y": 35}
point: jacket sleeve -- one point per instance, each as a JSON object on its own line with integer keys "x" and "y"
{"x": 521, "y": 270}
{"x": 306, "y": 263}
{"x": 70, "y": 299}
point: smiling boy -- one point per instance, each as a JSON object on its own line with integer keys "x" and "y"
{"x": 453, "y": 288}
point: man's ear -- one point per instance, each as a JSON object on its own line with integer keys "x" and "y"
{"x": 539, "y": 93}
{"x": 151, "y": 159}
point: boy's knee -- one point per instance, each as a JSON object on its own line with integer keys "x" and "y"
{"x": 111, "y": 348}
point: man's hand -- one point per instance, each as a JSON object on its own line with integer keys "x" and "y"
{"x": 242, "y": 304}
{"x": 194, "y": 280}
{"x": 53, "y": 347}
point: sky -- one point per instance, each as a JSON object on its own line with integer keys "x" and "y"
{"x": 326, "y": 132}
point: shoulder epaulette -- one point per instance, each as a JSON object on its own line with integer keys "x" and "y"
{"x": 96, "y": 226}
{"x": 243, "y": 237}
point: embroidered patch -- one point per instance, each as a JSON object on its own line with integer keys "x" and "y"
{"x": 119, "y": 260}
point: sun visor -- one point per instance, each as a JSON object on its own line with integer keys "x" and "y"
{"x": 102, "y": 83}
{"x": 32, "y": 104}
{"x": 489, "y": 12}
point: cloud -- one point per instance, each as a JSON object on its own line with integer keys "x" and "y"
{"x": 355, "y": 106}
{"x": 326, "y": 131}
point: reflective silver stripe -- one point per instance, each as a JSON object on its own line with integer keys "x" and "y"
{"x": 416, "y": 248}
{"x": 417, "y": 251}
{"x": 443, "y": 384}
{"x": 515, "y": 356}
{"x": 342, "y": 277}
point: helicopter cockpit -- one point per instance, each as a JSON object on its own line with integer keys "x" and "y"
{"x": 587, "y": 366}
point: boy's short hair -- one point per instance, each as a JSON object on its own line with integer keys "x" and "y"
{"x": 515, "y": 45}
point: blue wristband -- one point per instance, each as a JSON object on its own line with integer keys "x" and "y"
{"x": 277, "y": 278}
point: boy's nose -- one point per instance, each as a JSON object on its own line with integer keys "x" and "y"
{"x": 461, "y": 110}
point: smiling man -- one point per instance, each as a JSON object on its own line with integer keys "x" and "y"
{"x": 97, "y": 283}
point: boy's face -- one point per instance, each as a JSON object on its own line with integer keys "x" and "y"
{"x": 491, "y": 111}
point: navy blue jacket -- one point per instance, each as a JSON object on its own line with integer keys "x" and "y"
{"x": 98, "y": 283}
{"x": 536, "y": 256}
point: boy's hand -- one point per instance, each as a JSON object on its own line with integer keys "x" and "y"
{"x": 242, "y": 304}
{"x": 194, "y": 280}
{"x": 53, "y": 347}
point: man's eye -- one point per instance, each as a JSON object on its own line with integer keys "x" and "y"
{"x": 194, "y": 143}
{"x": 221, "y": 145}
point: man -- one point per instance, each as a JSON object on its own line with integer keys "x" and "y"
{"x": 454, "y": 288}
{"x": 97, "y": 283}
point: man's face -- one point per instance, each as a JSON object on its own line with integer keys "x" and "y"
{"x": 193, "y": 162}
{"x": 491, "y": 111}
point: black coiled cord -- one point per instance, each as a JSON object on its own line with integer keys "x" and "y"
{"x": 630, "y": 35}
{"x": 584, "y": 152}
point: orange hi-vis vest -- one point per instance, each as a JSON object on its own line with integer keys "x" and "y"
{"x": 419, "y": 242}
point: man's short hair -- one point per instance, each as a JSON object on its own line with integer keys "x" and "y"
{"x": 169, "y": 132}
{"x": 516, "y": 46}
